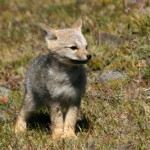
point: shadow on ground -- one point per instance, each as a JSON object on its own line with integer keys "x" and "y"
{"x": 42, "y": 121}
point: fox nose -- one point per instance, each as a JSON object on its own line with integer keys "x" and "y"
{"x": 89, "y": 57}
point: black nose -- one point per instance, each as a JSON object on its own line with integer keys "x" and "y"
{"x": 89, "y": 57}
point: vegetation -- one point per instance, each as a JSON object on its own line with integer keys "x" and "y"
{"x": 114, "y": 114}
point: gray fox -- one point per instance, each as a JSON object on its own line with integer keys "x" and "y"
{"x": 57, "y": 80}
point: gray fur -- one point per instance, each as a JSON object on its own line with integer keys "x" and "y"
{"x": 50, "y": 80}
{"x": 57, "y": 80}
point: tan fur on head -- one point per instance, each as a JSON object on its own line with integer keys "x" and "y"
{"x": 77, "y": 25}
{"x": 61, "y": 41}
{"x": 82, "y": 53}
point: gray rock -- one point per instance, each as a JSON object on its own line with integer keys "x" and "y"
{"x": 109, "y": 39}
{"x": 3, "y": 116}
{"x": 146, "y": 92}
{"x": 4, "y": 91}
{"x": 111, "y": 75}
{"x": 126, "y": 146}
{"x": 139, "y": 3}
{"x": 129, "y": 2}
{"x": 146, "y": 11}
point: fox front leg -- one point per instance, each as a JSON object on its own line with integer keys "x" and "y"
{"x": 20, "y": 125}
{"x": 57, "y": 123}
{"x": 70, "y": 122}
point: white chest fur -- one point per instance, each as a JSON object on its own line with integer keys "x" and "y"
{"x": 62, "y": 84}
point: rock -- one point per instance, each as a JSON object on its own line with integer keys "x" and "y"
{"x": 146, "y": 92}
{"x": 129, "y": 2}
{"x": 4, "y": 92}
{"x": 146, "y": 11}
{"x": 126, "y": 146}
{"x": 111, "y": 75}
{"x": 106, "y": 38}
{"x": 139, "y": 3}
{"x": 4, "y": 116}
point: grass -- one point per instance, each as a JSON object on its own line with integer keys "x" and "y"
{"x": 112, "y": 114}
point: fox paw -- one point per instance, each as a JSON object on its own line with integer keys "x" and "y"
{"x": 69, "y": 136}
{"x": 20, "y": 126}
{"x": 57, "y": 134}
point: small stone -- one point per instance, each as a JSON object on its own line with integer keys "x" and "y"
{"x": 106, "y": 38}
{"x": 4, "y": 92}
{"x": 129, "y": 2}
{"x": 139, "y": 3}
{"x": 126, "y": 146}
{"x": 3, "y": 116}
{"x": 146, "y": 11}
{"x": 111, "y": 75}
{"x": 146, "y": 92}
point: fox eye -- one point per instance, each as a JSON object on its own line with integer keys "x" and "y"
{"x": 86, "y": 47}
{"x": 73, "y": 47}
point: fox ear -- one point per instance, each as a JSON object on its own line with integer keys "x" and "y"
{"x": 49, "y": 32}
{"x": 77, "y": 25}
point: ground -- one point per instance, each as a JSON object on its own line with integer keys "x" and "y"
{"x": 115, "y": 112}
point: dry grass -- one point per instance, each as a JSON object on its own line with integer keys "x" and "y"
{"x": 114, "y": 114}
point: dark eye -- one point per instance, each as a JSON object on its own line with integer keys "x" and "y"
{"x": 86, "y": 47}
{"x": 73, "y": 47}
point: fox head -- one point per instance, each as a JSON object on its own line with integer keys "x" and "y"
{"x": 67, "y": 45}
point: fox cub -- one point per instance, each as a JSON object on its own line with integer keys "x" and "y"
{"x": 57, "y": 80}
